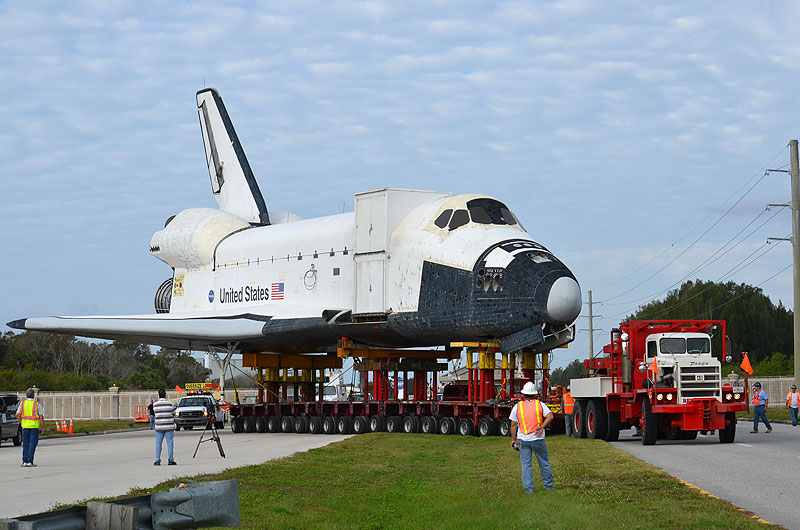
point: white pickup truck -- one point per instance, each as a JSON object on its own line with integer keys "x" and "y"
{"x": 196, "y": 410}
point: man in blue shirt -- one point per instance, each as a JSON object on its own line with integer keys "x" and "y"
{"x": 760, "y": 401}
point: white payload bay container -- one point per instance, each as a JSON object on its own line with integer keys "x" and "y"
{"x": 377, "y": 213}
{"x": 590, "y": 387}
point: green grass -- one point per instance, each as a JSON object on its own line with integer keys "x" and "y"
{"x": 87, "y": 426}
{"x": 422, "y": 481}
{"x": 777, "y": 413}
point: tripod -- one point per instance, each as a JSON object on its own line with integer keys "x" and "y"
{"x": 214, "y": 437}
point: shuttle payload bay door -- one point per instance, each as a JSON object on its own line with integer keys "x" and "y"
{"x": 370, "y": 252}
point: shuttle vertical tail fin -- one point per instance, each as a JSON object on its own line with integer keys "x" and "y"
{"x": 232, "y": 181}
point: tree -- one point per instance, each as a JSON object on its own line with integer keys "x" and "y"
{"x": 561, "y": 376}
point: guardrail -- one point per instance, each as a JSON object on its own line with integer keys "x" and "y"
{"x": 192, "y": 505}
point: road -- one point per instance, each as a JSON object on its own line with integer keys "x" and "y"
{"x": 74, "y": 469}
{"x": 758, "y": 472}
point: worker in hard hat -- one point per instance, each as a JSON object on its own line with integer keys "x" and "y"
{"x": 529, "y": 418}
{"x": 568, "y": 406}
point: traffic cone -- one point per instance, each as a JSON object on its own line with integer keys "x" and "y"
{"x": 58, "y": 425}
{"x": 70, "y": 427}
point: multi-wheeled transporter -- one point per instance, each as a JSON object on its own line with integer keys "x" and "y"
{"x": 660, "y": 376}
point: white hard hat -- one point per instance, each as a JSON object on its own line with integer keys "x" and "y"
{"x": 530, "y": 389}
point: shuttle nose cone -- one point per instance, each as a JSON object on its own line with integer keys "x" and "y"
{"x": 564, "y": 300}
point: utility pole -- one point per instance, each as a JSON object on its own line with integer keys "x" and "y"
{"x": 795, "y": 176}
{"x": 591, "y": 329}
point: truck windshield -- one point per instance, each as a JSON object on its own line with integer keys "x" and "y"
{"x": 681, "y": 345}
{"x": 193, "y": 402}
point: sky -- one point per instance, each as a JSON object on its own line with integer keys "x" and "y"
{"x": 622, "y": 134}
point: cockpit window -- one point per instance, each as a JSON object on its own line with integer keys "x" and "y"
{"x": 490, "y": 211}
{"x": 460, "y": 218}
{"x": 443, "y": 218}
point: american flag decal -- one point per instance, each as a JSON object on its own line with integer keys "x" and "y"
{"x": 277, "y": 291}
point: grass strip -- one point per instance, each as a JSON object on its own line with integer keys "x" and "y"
{"x": 87, "y": 426}
{"x": 421, "y": 481}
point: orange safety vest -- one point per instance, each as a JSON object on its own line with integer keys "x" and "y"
{"x": 790, "y": 397}
{"x": 529, "y": 415}
{"x": 569, "y": 403}
{"x": 756, "y": 400}
{"x": 29, "y": 419}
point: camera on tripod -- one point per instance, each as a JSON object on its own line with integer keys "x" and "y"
{"x": 211, "y": 426}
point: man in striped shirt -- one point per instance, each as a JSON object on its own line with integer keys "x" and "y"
{"x": 165, "y": 426}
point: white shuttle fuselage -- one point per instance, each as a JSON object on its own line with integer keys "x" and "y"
{"x": 406, "y": 268}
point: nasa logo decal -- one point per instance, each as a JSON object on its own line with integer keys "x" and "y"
{"x": 211, "y": 296}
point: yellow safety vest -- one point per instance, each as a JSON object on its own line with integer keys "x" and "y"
{"x": 532, "y": 410}
{"x": 30, "y": 416}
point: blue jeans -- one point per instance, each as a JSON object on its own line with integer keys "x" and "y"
{"x": 793, "y": 410}
{"x": 759, "y": 411}
{"x": 568, "y": 424}
{"x": 160, "y": 435}
{"x": 30, "y": 439}
{"x": 539, "y": 448}
{"x": 152, "y": 422}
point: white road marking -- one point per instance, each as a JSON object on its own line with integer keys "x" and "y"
{"x": 745, "y": 445}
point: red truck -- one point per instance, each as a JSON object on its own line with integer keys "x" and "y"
{"x": 686, "y": 394}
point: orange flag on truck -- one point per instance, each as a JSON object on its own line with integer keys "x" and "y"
{"x": 654, "y": 368}
{"x": 746, "y": 364}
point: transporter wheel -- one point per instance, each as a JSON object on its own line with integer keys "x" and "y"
{"x": 429, "y": 425}
{"x": 579, "y": 419}
{"x": 261, "y": 424}
{"x": 466, "y": 427}
{"x": 301, "y": 424}
{"x": 650, "y": 427}
{"x": 315, "y": 425}
{"x": 596, "y": 419}
{"x": 249, "y": 424}
{"x": 287, "y": 424}
{"x": 394, "y": 424}
{"x": 410, "y": 424}
{"x": 726, "y": 434}
{"x": 377, "y": 424}
{"x": 360, "y": 425}
{"x": 446, "y": 427}
{"x": 274, "y": 424}
{"x": 344, "y": 425}
{"x": 17, "y": 440}
{"x": 329, "y": 425}
{"x": 453, "y": 424}
{"x": 487, "y": 427}
{"x": 613, "y": 426}
{"x": 504, "y": 427}
{"x": 237, "y": 424}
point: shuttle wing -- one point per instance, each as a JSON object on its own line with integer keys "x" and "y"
{"x": 253, "y": 331}
{"x": 232, "y": 181}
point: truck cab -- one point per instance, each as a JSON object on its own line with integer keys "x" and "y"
{"x": 198, "y": 410}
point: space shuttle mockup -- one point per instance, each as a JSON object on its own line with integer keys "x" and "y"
{"x": 407, "y": 268}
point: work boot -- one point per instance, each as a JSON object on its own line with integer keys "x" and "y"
{"x": 769, "y": 431}
{"x": 753, "y": 432}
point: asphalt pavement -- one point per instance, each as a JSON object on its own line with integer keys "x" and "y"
{"x": 77, "y": 468}
{"x": 758, "y": 472}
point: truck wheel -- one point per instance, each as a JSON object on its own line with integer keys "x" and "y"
{"x": 344, "y": 425}
{"x": 394, "y": 424}
{"x": 579, "y": 419}
{"x": 287, "y": 424}
{"x": 429, "y": 425}
{"x": 466, "y": 427}
{"x": 377, "y": 424}
{"x": 189, "y": 427}
{"x": 415, "y": 422}
{"x": 18, "y": 438}
{"x": 315, "y": 425}
{"x": 650, "y": 427}
{"x": 237, "y": 424}
{"x": 487, "y": 427}
{"x": 301, "y": 424}
{"x": 274, "y": 424}
{"x": 726, "y": 434}
{"x": 249, "y": 424}
{"x": 613, "y": 426}
{"x": 359, "y": 425}
{"x": 261, "y": 424}
{"x": 504, "y": 428}
{"x": 329, "y": 425}
{"x": 596, "y": 419}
